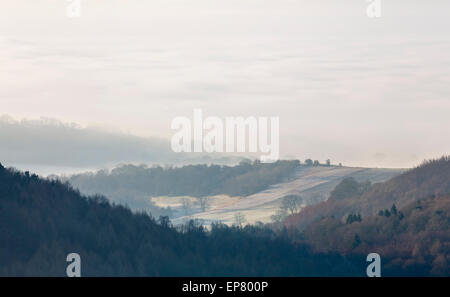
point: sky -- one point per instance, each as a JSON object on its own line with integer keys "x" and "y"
{"x": 358, "y": 90}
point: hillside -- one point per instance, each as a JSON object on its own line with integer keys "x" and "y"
{"x": 254, "y": 189}
{"x": 414, "y": 239}
{"x": 312, "y": 183}
{"x": 41, "y": 221}
{"x": 142, "y": 182}
{"x": 430, "y": 178}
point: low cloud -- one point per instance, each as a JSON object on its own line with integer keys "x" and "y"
{"x": 48, "y": 146}
{"x": 48, "y": 142}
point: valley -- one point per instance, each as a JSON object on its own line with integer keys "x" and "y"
{"x": 313, "y": 184}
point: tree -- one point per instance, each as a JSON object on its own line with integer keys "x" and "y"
{"x": 316, "y": 163}
{"x": 308, "y": 162}
{"x": 279, "y": 216}
{"x": 349, "y": 219}
{"x": 164, "y": 221}
{"x": 203, "y": 202}
{"x": 356, "y": 241}
{"x": 290, "y": 203}
{"x": 394, "y": 209}
{"x": 418, "y": 205}
{"x": 328, "y": 162}
{"x": 186, "y": 206}
{"x": 347, "y": 188}
{"x": 353, "y": 218}
{"x": 359, "y": 218}
{"x": 239, "y": 219}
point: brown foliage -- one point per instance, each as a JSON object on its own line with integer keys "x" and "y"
{"x": 430, "y": 178}
{"x": 420, "y": 237}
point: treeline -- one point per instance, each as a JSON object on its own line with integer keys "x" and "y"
{"x": 130, "y": 183}
{"x": 41, "y": 221}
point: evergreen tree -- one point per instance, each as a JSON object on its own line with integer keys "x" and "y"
{"x": 394, "y": 209}
{"x": 356, "y": 241}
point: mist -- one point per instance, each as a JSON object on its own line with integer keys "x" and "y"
{"x": 51, "y": 144}
{"x": 361, "y": 91}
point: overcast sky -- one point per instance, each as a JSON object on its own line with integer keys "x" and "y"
{"x": 361, "y": 91}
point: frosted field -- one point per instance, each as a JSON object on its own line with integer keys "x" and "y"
{"x": 313, "y": 184}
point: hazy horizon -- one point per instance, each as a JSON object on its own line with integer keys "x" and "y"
{"x": 68, "y": 148}
{"x": 364, "y": 92}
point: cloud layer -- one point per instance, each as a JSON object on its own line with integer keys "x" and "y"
{"x": 54, "y": 144}
{"x": 356, "y": 90}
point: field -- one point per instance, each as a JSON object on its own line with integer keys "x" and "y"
{"x": 313, "y": 184}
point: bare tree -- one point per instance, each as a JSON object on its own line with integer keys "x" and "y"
{"x": 239, "y": 219}
{"x": 279, "y": 216}
{"x": 186, "y": 206}
{"x": 290, "y": 203}
{"x": 203, "y": 202}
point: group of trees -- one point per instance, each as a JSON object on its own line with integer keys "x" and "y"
{"x": 393, "y": 211}
{"x": 337, "y": 205}
{"x": 413, "y": 238}
{"x": 290, "y": 204}
{"x": 350, "y": 196}
{"x": 193, "y": 205}
{"x": 133, "y": 185}
{"x": 310, "y": 162}
{"x": 42, "y": 221}
{"x": 413, "y": 241}
{"x": 353, "y": 218}
{"x": 349, "y": 188}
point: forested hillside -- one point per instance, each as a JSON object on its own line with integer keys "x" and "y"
{"x": 41, "y": 221}
{"x": 430, "y": 178}
{"x": 406, "y": 220}
{"x": 414, "y": 240}
{"x": 129, "y": 184}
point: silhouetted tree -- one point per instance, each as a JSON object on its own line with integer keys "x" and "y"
{"x": 239, "y": 219}
{"x": 203, "y": 202}
{"x": 356, "y": 241}
{"x": 394, "y": 209}
{"x": 290, "y": 203}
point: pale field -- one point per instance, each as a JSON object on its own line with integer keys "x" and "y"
{"x": 313, "y": 184}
